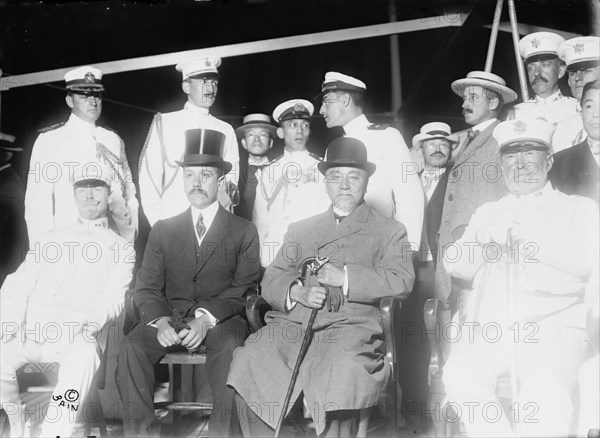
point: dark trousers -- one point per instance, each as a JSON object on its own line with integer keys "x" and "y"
{"x": 338, "y": 423}
{"x": 140, "y": 351}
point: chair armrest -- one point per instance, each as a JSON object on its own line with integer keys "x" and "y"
{"x": 390, "y": 312}
{"x": 433, "y": 329}
{"x": 256, "y": 307}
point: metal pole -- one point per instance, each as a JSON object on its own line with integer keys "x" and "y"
{"x": 489, "y": 61}
{"x": 515, "y": 34}
{"x": 395, "y": 64}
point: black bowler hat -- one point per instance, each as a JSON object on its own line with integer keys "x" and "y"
{"x": 346, "y": 152}
{"x": 204, "y": 147}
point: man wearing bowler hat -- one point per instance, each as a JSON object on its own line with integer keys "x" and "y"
{"x": 256, "y": 136}
{"x": 198, "y": 265}
{"x": 369, "y": 259}
{"x": 160, "y": 176}
{"x": 79, "y": 141}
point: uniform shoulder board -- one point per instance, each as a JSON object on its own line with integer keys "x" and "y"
{"x": 378, "y": 127}
{"x": 50, "y": 128}
{"x": 277, "y": 158}
{"x": 316, "y": 157}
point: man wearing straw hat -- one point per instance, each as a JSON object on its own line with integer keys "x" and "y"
{"x": 200, "y": 265}
{"x": 544, "y": 69}
{"x": 256, "y": 136}
{"x": 536, "y": 248}
{"x": 343, "y": 370}
{"x": 61, "y": 148}
{"x": 581, "y": 55}
{"x": 475, "y": 176}
{"x": 159, "y": 174}
{"x": 13, "y": 231}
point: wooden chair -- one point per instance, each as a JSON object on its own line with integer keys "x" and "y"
{"x": 257, "y": 307}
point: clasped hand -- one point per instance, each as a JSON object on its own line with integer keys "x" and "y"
{"x": 190, "y": 337}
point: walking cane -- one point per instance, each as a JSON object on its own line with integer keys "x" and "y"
{"x": 312, "y": 265}
{"x": 512, "y": 284}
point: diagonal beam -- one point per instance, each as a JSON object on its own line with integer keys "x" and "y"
{"x": 248, "y": 48}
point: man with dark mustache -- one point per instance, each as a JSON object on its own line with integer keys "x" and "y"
{"x": 159, "y": 175}
{"x": 544, "y": 69}
{"x": 475, "y": 177}
{"x": 200, "y": 264}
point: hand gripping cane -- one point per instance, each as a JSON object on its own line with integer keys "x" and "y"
{"x": 312, "y": 265}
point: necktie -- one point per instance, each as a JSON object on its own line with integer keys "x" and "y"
{"x": 338, "y": 217}
{"x": 470, "y": 136}
{"x": 200, "y": 227}
{"x": 427, "y": 180}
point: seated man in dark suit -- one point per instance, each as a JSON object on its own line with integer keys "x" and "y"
{"x": 343, "y": 370}
{"x": 199, "y": 264}
{"x": 575, "y": 170}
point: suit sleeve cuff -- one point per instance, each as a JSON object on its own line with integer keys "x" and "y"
{"x": 345, "y": 288}
{"x": 201, "y": 312}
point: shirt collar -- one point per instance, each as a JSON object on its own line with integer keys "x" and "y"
{"x": 538, "y": 194}
{"x": 357, "y": 124}
{"x": 80, "y": 124}
{"x": 481, "y": 126}
{"x": 435, "y": 172}
{"x": 90, "y": 224}
{"x": 208, "y": 214}
{"x": 196, "y": 109}
{"x": 260, "y": 161}
{"x": 552, "y": 98}
{"x": 295, "y": 153}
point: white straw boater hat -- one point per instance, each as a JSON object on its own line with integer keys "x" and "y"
{"x": 255, "y": 120}
{"x": 486, "y": 80}
{"x": 434, "y": 130}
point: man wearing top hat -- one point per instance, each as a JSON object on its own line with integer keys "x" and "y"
{"x": 13, "y": 231}
{"x": 576, "y": 169}
{"x": 290, "y": 188}
{"x": 436, "y": 144}
{"x": 544, "y": 69}
{"x": 256, "y": 136}
{"x": 61, "y": 148}
{"x": 475, "y": 176}
{"x": 160, "y": 176}
{"x": 343, "y": 369}
{"x": 394, "y": 190}
{"x": 581, "y": 58}
{"x": 199, "y": 264}
{"x": 545, "y": 270}
{"x": 54, "y": 306}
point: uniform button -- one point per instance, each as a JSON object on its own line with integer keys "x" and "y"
{"x": 455, "y": 173}
{"x": 450, "y": 197}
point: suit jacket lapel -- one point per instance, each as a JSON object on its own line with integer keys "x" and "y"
{"x": 440, "y": 188}
{"x": 187, "y": 238}
{"x": 583, "y": 161}
{"x": 214, "y": 235}
{"x": 477, "y": 143}
{"x": 350, "y": 225}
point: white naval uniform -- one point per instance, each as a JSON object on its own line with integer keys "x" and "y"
{"x": 71, "y": 277}
{"x": 394, "y": 189}
{"x": 57, "y": 152}
{"x": 290, "y": 188}
{"x": 553, "y": 109}
{"x": 161, "y": 183}
{"x": 557, "y": 252}
{"x": 569, "y": 132}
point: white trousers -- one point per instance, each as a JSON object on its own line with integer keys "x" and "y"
{"x": 589, "y": 396}
{"x": 547, "y": 365}
{"x": 79, "y": 361}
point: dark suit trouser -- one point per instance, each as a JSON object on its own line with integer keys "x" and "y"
{"x": 342, "y": 423}
{"x": 140, "y": 351}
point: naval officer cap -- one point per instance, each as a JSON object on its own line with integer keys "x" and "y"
{"x": 335, "y": 81}
{"x": 530, "y": 134}
{"x": 540, "y": 46}
{"x": 200, "y": 68}
{"x": 92, "y": 175}
{"x": 84, "y": 80}
{"x": 293, "y": 109}
{"x": 580, "y": 53}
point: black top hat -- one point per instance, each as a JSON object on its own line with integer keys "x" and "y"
{"x": 7, "y": 143}
{"x": 346, "y": 152}
{"x": 204, "y": 147}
